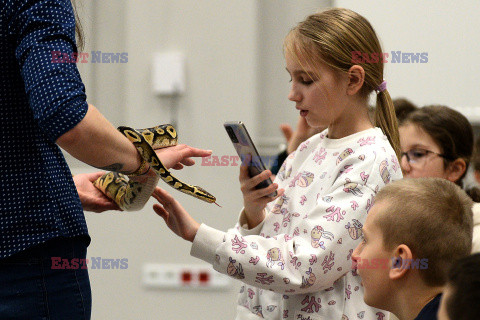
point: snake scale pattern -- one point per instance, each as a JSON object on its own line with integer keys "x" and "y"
{"x": 131, "y": 194}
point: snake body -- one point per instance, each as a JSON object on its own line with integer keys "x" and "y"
{"x": 133, "y": 194}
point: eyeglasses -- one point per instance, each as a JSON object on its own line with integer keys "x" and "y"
{"x": 418, "y": 156}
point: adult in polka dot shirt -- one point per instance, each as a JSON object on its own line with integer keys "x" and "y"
{"x": 43, "y": 106}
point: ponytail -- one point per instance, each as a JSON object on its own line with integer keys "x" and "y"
{"x": 386, "y": 119}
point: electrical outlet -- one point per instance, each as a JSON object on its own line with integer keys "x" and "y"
{"x": 184, "y": 276}
{"x": 168, "y": 73}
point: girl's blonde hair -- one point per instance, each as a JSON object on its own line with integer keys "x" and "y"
{"x": 333, "y": 37}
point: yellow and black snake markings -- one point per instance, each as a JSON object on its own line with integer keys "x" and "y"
{"x": 131, "y": 195}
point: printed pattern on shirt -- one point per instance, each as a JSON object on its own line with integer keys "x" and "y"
{"x": 300, "y": 261}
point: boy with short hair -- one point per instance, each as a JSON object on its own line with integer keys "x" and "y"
{"x": 419, "y": 228}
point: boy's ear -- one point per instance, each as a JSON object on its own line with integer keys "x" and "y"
{"x": 456, "y": 169}
{"x": 400, "y": 263}
{"x": 356, "y": 77}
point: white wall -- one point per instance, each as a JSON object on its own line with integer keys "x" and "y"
{"x": 277, "y": 18}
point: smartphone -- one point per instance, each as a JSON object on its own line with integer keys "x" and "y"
{"x": 244, "y": 146}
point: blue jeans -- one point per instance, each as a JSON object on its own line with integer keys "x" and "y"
{"x": 31, "y": 289}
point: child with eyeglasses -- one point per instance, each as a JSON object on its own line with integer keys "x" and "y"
{"x": 437, "y": 141}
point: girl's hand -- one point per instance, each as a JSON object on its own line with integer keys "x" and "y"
{"x": 255, "y": 200}
{"x": 175, "y": 216}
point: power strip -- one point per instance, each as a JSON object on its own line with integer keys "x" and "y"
{"x": 183, "y": 276}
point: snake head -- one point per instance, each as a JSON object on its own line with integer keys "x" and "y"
{"x": 205, "y": 195}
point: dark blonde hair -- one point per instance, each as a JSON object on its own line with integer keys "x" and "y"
{"x": 433, "y": 217}
{"x": 332, "y": 36}
{"x": 80, "y": 38}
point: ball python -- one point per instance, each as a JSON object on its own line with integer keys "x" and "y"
{"x": 132, "y": 193}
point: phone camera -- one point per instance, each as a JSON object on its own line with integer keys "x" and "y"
{"x": 231, "y": 134}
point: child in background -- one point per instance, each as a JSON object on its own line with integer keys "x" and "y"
{"x": 403, "y": 107}
{"x": 437, "y": 141}
{"x": 293, "y": 252}
{"x": 412, "y": 236}
{"x": 293, "y": 138}
{"x": 462, "y": 293}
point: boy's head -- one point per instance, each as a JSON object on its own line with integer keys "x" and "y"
{"x": 462, "y": 293}
{"x": 415, "y": 230}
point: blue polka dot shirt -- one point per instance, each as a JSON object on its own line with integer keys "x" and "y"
{"x": 39, "y": 101}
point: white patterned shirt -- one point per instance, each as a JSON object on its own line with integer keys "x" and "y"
{"x": 297, "y": 263}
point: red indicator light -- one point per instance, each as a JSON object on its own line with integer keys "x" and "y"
{"x": 186, "y": 277}
{"x": 203, "y": 277}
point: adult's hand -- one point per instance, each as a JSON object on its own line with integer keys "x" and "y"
{"x": 91, "y": 198}
{"x": 177, "y": 156}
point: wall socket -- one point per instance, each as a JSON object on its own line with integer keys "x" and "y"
{"x": 184, "y": 276}
{"x": 168, "y": 73}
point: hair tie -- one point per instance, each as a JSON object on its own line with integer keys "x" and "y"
{"x": 382, "y": 87}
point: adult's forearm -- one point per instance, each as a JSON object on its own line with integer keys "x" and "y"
{"x": 96, "y": 142}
